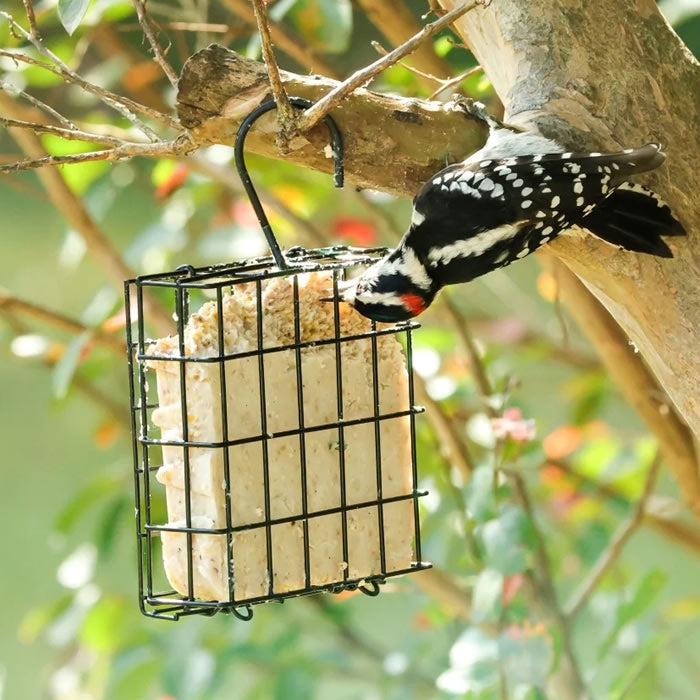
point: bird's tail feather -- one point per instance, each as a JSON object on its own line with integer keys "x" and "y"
{"x": 634, "y": 218}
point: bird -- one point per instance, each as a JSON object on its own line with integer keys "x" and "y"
{"x": 506, "y": 200}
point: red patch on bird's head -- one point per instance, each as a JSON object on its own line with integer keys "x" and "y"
{"x": 414, "y": 303}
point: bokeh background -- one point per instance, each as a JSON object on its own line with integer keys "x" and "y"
{"x": 70, "y": 627}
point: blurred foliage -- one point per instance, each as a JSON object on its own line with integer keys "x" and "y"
{"x": 73, "y": 631}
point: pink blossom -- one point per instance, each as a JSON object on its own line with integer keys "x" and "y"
{"x": 514, "y": 426}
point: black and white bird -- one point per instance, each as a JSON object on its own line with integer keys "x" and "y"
{"x": 517, "y": 193}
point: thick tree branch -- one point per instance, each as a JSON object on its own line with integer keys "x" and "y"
{"x": 573, "y": 90}
{"x": 391, "y": 143}
{"x": 636, "y": 382}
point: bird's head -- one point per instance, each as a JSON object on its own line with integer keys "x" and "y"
{"x": 396, "y": 288}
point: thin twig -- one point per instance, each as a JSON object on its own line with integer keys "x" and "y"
{"x": 654, "y": 517}
{"x": 614, "y": 549}
{"x": 8, "y": 302}
{"x": 8, "y": 87}
{"x": 73, "y": 134}
{"x": 285, "y": 112}
{"x": 456, "y": 451}
{"x": 123, "y": 105}
{"x": 33, "y": 29}
{"x": 447, "y": 84}
{"x": 182, "y": 27}
{"x": 397, "y": 22}
{"x": 162, "y": 149}
{"x": 313, "y": 115}
{"x": 283, "y": 38}
{"x": 428, "y": 76}
{"x": 118, "y": 411}
{"x": 459, "y": 324}
{"x": 543, "y": 595}
{"x": 158, "y": 53}
{"x": 78, "y": 217}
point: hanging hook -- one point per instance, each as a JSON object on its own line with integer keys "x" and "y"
{"x": 336, "y": 144}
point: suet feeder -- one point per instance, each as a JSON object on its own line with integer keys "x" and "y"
{"x": 282, "y": 427}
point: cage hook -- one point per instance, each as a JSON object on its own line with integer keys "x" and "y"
{"x": 244, "y": 612}
{"x": 338, "y": 154}
{"x": 372, "y": 590}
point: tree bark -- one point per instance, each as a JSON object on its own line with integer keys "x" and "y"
{"x": 557, "y": 70}
{"x": 597, "y": 75}
{"x": 392, "y": 143}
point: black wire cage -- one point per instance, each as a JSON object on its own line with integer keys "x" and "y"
{"x": 285, "y": 436}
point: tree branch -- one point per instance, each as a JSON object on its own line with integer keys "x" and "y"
{"x": 121, "y": 104}
{"x": 281, "y": 36}
{"x": 285, "y": 112}
{"x": 158, "y": 55}
{"x": 358, "y": 79}
{"x": 397, "y": 23}
{"x": 72, "y": 134}
{"x": 442, "y": 587}
{"x": 614, "y": 548}
{"x": 391, "y": 143}
{"x": 161, "y": 149}
{"x": 455, "y": 451}
{"x": 8, "y": 302}
{"x": 577, "y": 95}
{"x": 77, "y": 216}
{"x": 635, "y": 381}
{"x": 567, "y": 682}
{"x": 38, "y": 103}
{"x": 654, "y": 517}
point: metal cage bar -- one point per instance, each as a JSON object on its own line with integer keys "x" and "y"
{"x": 223, "y": 280}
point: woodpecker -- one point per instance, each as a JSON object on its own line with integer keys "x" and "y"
{"x": 502, "y": 203}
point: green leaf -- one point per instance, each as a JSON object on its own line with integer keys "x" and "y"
{"x": 480, "y": 497}
{"x": 132, "y": 674}
{"x": 106, "y": 625}
{"x": 647, "y": 591}
{"x": 442, "y": 46}
{"x": 324, "y": 24}
{"x": 486, "y": 602}
{"x": 101, "y": 306}
{"x": 71, "y": 13}
{"x": 640, "y": 662}
{"x": 36, "y": 620}
{"x": 526, "y": 658}
{"x": 84, "y": 499}
{"x": 503, "y": 541}
{"x": 65, "y": 368}
{"x": 108, "y": 526}
{"x": 295, "y": 683}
